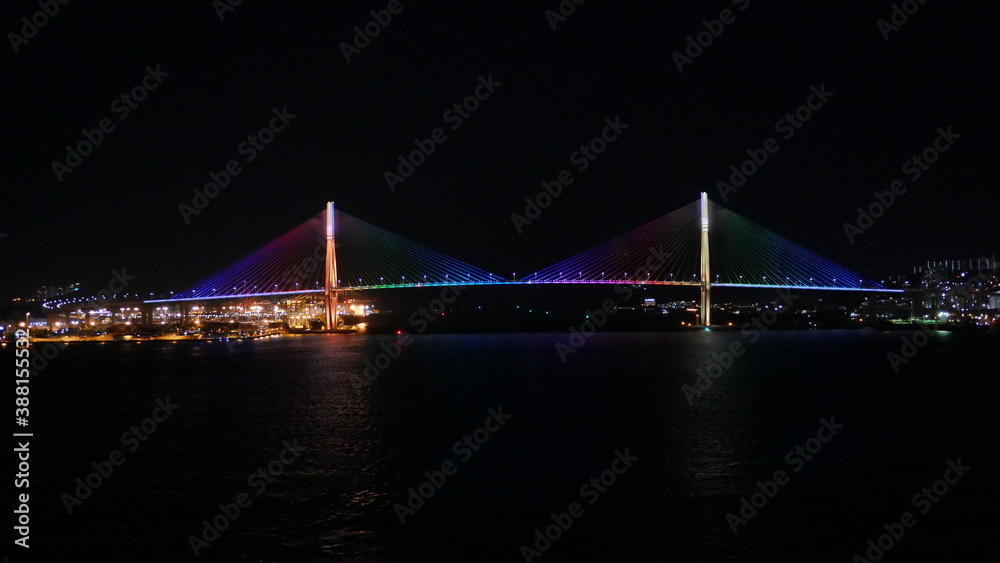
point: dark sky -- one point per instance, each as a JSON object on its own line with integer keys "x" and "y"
{"x": 119, "y": 207}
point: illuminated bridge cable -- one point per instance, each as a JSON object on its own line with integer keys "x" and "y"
{"x": 372, "y": 257}
{"x": 367, "y": 257}
{"x": 663, "y": 251}
{"x": 274, "y": 268}
{"x": 745, "y": 253}
{"x": 667, "y": 251}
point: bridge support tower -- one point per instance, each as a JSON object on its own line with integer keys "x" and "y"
{"x": 330, "y": 284}
{"x": 706, "y": 274}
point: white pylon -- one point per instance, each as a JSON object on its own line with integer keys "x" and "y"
{"x": 706, "y": 274}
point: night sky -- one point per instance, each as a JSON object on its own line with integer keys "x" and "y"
{"x": 119, "y": 206}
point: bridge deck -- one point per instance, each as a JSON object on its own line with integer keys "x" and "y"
{"x": 526, "y": 282}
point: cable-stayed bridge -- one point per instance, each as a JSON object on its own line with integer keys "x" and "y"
{"x": 701, "y": 244}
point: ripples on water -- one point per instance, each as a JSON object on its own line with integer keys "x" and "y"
{"x": 366, "y": 446}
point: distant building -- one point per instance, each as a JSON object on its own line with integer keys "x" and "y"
{"x": 965, "y": 265}
{"x": 51, "y": 292}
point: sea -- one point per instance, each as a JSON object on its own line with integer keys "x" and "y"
{"x": 698, "y": 446}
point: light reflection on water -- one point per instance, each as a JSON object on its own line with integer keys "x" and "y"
{"x": 366, "y": 445}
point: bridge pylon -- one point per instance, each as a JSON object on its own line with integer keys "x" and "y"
{"x": 706, "y": 274}
{"x": 330, "y": 283}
